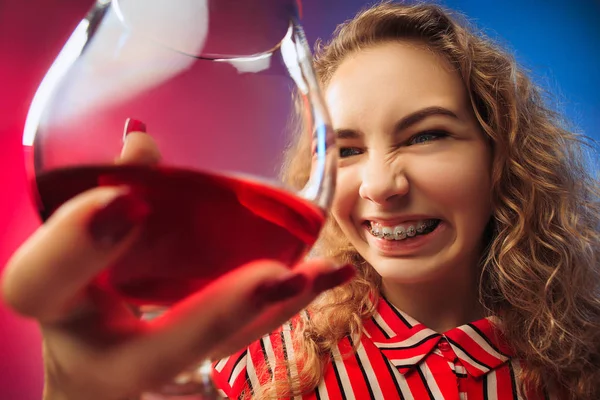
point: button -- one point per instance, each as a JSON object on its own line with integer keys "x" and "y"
{"x": 444, "y": 345}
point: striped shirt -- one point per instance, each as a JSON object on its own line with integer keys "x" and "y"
{"x": 397, "y": 358}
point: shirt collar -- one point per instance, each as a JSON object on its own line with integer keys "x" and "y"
{"x": 478, "y": 345}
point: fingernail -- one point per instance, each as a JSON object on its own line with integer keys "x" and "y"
{"x": 333, "y": 278}
{"x": 299, "y": 7}
{"x": 133, "y": 125}
{"x": 116, "y": 220}
{"x": 281, "y": 289}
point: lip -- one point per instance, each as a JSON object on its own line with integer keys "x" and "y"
{"x": 406, "y": 247}
{"x": 398, "y": 220}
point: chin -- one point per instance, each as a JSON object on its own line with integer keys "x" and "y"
{"x": 409, "y": 271}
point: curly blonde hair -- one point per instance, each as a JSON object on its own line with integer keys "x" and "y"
{"x": 540, "y": 270}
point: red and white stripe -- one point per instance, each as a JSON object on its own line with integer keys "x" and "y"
{"x": 396, "y": 359}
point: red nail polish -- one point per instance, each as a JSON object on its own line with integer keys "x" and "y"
{"x": 333, "y": 278}
{"x": 133, "y": 125}
{"x": 281, "y": 289}
{"x": 112, "y": 223}
{"x": 299, "y": 7}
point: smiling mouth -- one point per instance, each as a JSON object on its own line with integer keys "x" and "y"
{"x": 403, "y": 231}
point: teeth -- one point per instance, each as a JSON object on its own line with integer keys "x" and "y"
{"x": 400, "y": 232}
{"x": 388, "y": 233}
{"x": 376, "y": 230}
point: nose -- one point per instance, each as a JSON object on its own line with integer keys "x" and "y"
{"x": 383, "y": 180}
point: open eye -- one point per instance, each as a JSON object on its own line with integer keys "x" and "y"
{"x": 427, "y": 136}
{"x": 349, "y": 151}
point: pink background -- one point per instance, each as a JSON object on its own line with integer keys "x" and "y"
{"x": 31, "y": 32}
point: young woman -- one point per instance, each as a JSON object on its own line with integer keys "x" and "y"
{"x": 461, "y": 201}
{"x": 469, "y": 215}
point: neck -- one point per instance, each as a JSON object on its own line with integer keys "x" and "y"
{"x": 447, "y": 302}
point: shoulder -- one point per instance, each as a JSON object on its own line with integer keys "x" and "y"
{"x": 229, "y": 374}
{"x": 252, "y": 367}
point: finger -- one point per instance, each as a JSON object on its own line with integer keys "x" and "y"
{"x": 48, "y": 274}
{"x": 192, "y": 328}
{"x": 138, "y": 147}
{"x": 322, "y": 275}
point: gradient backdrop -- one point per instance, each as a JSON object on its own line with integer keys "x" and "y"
{"x": 557, "y": 40}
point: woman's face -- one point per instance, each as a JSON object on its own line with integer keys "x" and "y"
{"x": 413, "y": 191}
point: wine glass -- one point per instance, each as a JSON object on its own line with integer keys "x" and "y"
{"x": 224, "y": 87}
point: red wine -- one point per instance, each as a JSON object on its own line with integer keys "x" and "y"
{"x": 200, "y": 226}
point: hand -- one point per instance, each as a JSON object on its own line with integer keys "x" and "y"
{"x": 94, "y": 346}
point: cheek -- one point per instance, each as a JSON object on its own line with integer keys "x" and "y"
{"x": 346, "y": 195}
{"x": 460, "y": 184}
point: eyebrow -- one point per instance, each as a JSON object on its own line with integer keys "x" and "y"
{"x": 404, "y": 123}
{"x": 420, "y": 115}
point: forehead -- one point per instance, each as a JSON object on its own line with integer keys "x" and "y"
{"x": 402, "y": 76}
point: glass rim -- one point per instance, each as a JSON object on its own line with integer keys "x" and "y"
{"x": 291, "y": 19}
